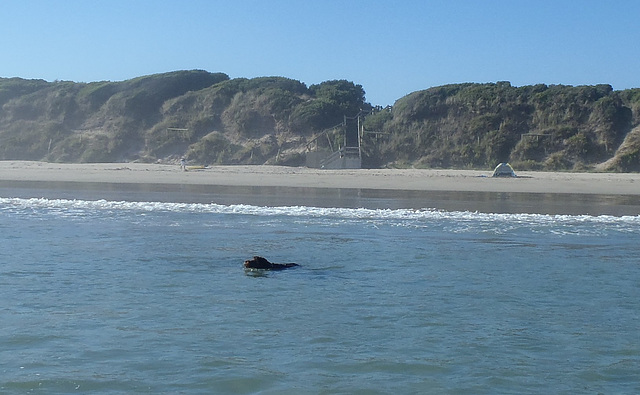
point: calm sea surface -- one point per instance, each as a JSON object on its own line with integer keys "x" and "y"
{"x": 131, "y": 290}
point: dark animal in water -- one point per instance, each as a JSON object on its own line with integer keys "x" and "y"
{"x": 259, "y": 262}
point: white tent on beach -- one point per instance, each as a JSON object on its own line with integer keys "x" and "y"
{"x": 504, "y": 170}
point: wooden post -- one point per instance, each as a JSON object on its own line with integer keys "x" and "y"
{"x": 344, "y": 124}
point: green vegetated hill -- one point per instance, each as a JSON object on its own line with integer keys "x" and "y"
{"x": 212, "y": 119}
{"x": 204, "y": 116}
{"x": 534, "y": 127}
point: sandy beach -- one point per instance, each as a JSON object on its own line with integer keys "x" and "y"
{"x": 280, "y": 176}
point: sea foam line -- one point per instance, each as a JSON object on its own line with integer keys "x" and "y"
{"x": 13, "y": 204}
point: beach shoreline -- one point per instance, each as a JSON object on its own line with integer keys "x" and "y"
{"x": 448, "y": 190}
{"x": 301, "y": 177}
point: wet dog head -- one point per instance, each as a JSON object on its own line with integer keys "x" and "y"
{"x": 257, "y": 262}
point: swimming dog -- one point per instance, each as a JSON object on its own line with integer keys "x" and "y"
{"x": 259, "y": 262}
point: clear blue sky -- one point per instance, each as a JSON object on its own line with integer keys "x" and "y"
{"x": 391, "y": 48}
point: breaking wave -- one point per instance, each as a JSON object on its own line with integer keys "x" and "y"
{"x": 68, "y": 206}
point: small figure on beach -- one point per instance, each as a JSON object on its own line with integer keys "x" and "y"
{"x": 259, "y": 262}
{"x": 183, "y": 164}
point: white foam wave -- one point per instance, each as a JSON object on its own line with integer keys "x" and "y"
{"x": 85, "y": 206}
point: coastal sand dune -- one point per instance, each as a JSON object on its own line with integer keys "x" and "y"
{"x": 390, "y": 179}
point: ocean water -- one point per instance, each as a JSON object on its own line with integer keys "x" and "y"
{"x": 147, "y": 294}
